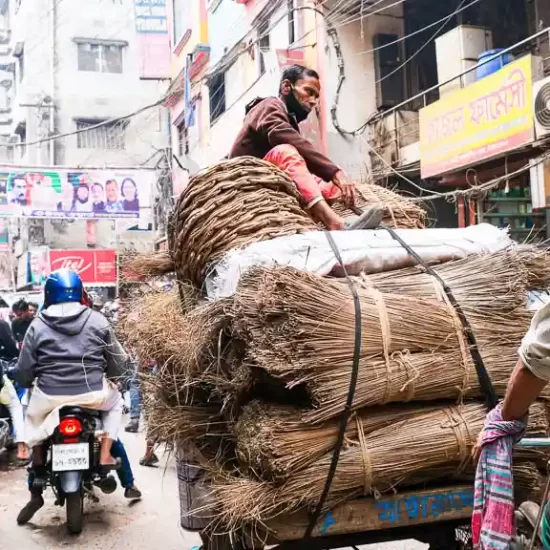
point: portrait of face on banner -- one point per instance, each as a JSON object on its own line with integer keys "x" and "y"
{"x": 75, "y": 194}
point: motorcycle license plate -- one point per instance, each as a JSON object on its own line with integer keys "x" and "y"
{"x": 69, "y": 457}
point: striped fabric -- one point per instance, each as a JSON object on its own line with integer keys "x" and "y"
{"x": 493, "y": 517}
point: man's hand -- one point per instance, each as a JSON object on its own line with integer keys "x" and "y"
{"x": 346, "y": 186}
{"x": 22, "y": 452}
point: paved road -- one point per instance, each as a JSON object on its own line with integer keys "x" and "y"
{"x": 113, "y": 524}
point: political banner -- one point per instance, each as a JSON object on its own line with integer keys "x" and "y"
{"x": 75, "y": 194}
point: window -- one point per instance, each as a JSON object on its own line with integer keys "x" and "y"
{"x": 182, "y": 19}
{"x": 183, "y": 139}
{"x": 21, "y": 66}
{"x": 109, "y": 136}
{"x": 263, "y": 45}
{"x": 217, "y": 96}
{"x": 99, "y": 58}
{"x": 291, "y": 22}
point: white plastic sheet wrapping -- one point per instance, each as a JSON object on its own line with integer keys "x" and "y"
{"x": 369, "y": 251}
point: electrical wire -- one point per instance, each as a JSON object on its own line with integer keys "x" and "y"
{"x": 424, "y": 46}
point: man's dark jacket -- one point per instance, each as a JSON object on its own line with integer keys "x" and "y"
{"x": 268, "y": 124}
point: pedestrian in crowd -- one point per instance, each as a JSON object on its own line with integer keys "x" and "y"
{"x": 33, "y": 309}
{"x": 22, "y": 321}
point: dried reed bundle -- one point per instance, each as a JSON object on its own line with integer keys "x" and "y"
{"x": 277, "y": 441}
{"x": 183, "y": 346}
{"x": 297, "y": 323}
{"x": 171, "y": 423}
{"x": 230, "y": 205}
{"x": 496, "y": 282}
{"x": 399, "y": 212}
{"x": 143, "y": 266}
{"x": 384, "y": 460}
{"x": 406, "y": 377}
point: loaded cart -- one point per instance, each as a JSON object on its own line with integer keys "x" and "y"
{"x": 326, "y": 389}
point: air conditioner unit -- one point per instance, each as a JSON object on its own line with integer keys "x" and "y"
{"x": 541, "y": 107}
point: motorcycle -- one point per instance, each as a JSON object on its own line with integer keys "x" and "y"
{"x": 73, "y": 469}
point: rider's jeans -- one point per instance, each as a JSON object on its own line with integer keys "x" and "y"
{"x": 125, "y": 474}
{"x": 135, "y": 398}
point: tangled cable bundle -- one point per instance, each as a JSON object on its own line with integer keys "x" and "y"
{"x": 230, "y": 205}
{"x": 398, "y": 211}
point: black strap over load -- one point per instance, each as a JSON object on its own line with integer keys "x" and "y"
{"x": 485, "y": 383}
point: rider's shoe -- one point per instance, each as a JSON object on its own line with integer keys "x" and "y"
{"x": 132, "y": 493}
{"x": 35, "y": 503}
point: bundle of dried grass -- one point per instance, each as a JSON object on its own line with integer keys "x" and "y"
{"x": 382, "y": 461}
{"x": 183, "y": 346}
{"x": 409, "y": 376}
{"x": 296, "y": 323}
{"x": 230, "y": 205}
{"x": 275, "y": 442}
{"x": 169, "y": 422}
{"x": 143, "y": 266}
{"x": 399, "y": 212}
{"x": 496, "y": 282}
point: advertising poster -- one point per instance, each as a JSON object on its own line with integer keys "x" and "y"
{"x": 95, "y": 267}
{"x": 75, "y": 194}
{"x": 39, "y": 266}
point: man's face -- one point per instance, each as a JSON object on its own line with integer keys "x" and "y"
{"x": 112, "y": 192}
{"x": 19, "y": 189}
{"x": 306, "y": 90}
{"x": 32, "y": 311}
{"x": 97, "y": 193}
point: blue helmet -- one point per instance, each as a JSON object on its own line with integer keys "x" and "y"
{"x": 62, "y": 286}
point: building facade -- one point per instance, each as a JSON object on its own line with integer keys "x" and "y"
{"x": 381, "y": 64}
{"x": 65, "y": 68}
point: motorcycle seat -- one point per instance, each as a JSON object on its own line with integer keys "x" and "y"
{"x": 66, "y": 411}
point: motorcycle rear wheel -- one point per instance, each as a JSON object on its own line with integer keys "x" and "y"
{"x": 74, "y": 505}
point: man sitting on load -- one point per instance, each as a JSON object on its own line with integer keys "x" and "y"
{"x": 271, "y": 132}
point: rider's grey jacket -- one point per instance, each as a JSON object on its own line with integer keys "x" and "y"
{"x": 68, "y": 351}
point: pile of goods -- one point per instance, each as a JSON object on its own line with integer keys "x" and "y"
{"x": 251, "y": 387}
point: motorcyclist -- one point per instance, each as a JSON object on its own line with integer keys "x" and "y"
{"x": 10, "y": 402}
{"x": 70, "y": 356}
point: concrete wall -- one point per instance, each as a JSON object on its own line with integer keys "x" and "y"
{"x": 243, "y": 82}
{"x": 358, "y": 94}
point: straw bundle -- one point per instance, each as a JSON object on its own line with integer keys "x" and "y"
{"x": 143, "y": 266}
{"x": 275, "y": 442}
{"x": 496, "y": 282}
{"x": 183, "y": 346}
{"x": 399, "y": 212}
{"x": 408, "y": 376}
{"x": 169, "y": 422}
{"x": 295, "y": 323}
{"x": 384, "y": 460}
{"x": 206, "y": 224}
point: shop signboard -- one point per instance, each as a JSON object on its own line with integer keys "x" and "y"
{"x": 95, "y": 267}
{"x": 75, "y": 194}
{"x": 482, "y": 121}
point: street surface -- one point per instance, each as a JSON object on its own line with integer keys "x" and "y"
{"x": 113, "y": 523}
